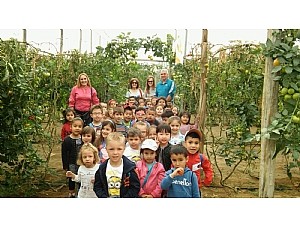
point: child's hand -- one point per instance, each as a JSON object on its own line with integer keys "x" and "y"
{"x": 177, "y": 172}
{"x": 70, "y": 174}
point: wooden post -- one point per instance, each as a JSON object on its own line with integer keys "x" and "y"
{"x": 80, "y": 40}
{"x": 24, "y": 36}
{"x": 61, "y": 41}
{"x": 269, "y": 108}
{"x": 201, "y": 113}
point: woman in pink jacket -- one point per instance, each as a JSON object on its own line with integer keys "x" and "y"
{"x": 82, "y": 97}
{"x": 149, "y": 171}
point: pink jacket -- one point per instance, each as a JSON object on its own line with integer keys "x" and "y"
{"x": 153, "y": 184}
{"x": 83, "y": 98}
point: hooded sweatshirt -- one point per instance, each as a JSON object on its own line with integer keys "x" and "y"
{"x": 185, "y": 186}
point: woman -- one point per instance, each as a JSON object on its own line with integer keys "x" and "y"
{"x": 82, "y": 97}
{"x": 150, "y": 87}
{"x": 134, "y": 89}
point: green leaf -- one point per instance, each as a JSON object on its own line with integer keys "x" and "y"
{"x": 285, "y": 112}
{"x": 296, "y": 154}
{"x": 288, "y": 70}
{"x": 276, "y": 69}
{"x": 289, "y": 55}
{"x": 296, "y": 61}
{"x": 285, "y": 46}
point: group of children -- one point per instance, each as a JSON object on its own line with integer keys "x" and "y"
{"x": 134, "y": 152}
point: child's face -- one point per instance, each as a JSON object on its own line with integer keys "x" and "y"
{"x": 153, "y": 101}
{"x": 184, "y": 119}
{"x": 118, "y": 117}
{"x": 88, "y": 158}
{"x": 179, "y": 160}
{"x": 134, "y": 142}
{"x": 143, "y": 129}
{"x": 161, "y": 102}
{"x": 127, "y": 115}
{"x": 149, "y": 104}
{"x": 106, "y": 130}
{"x": 163, "y": 137}
{"x": 192, "y": 145}
{"x": 110, "y": 112}
{"x": 175, "y": 111}
{"x": 149, "y": 156}
{"x": 87, "y": 138}
{"x": 175, "y": 125}
{"x": 165, "y": 120}
{"x": 131, "y": 101}
{"x": 140, "y": 115}
{"x": 150, "y": 116}
{"x": 141, "y": 102}
{"x": 152, "y": 134}
{"x": 159, "y": 110}
{"x": 115, "y": 150}
{"x": 70, "y": 116}
{"x": 76, "y": 127}
{"x": 113, "y": 104}
{"x": 104, "y": 107}
{"x": 97, "y": 115}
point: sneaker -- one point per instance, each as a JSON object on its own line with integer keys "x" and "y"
{"x": 72, "y": 196}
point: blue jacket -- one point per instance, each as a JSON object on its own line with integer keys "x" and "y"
{"x": 185, "y": 186}
{"x": 165, "y": 89}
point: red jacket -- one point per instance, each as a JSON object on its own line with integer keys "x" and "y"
{"x": 194, "y": 163}
{"x": 66, "y": 130}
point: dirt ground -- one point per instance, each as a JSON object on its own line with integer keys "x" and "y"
{"x": 243, "y": 184}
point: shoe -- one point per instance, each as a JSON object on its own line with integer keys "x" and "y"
{"x": 72, "y": 196}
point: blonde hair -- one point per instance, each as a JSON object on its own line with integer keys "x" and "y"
{"x": 115, "y": 136}
{"x": 174, "y": 118}
{"x": 87, "y": 77}
{"x": 86, "y": 147}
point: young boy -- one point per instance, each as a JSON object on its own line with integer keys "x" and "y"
{"x": 116, "y": 177}
{"x": 97, "y": 116}
{"x": 128, "y": 114}
{"x": 166, "y": 115}
{"x": 118, "y": 119}
{"x": 150, "y": 116}
{"x": 132, "y": 151}
{"x": 198, "y": 161}
{"x": 163, "y": 133}
{"x": 143, "y": 126}
{"x": 180, "y": 181}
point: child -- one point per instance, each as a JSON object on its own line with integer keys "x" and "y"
{"x": 140, "y": 114}
{"x": 176, "y": 136}
{"x": 150, "y": 116}
{"x": 118, "y": 119}
{"x": 143, "y": 126}
{"x": 88, "y": 135}
{"x": 108, "y": 127}
{"x": 128, "y": 114}
{"x": 142, "y": 102}
{"x": 148, "y": 103}
{"x": 153, "y": 100}
{"x": 111, "y": 103}
{"x": 193, "y": 139}
{"x": 132, "y": 101}
{"x": 149, "y": 171}
{"x": 104, "y": 107}
{"x": 185, "y": 118}
{"x": 88, "y": 165}
{"x": 132, "y": 151}
{"x": 69, "y": 115}
{"x": 175, "y": 110}
{"x": 180, "y": 181}
{"x": 116, "y": 177}
{"x": 97, "y": 117}
{"x": 163, "y": 132}
{"x": 70, "y": 148}
{"x": 152, "y": 132}
{"x": 158, "y": 112}
{"x": 166, "y": 115}
{"x": 161, "y": 101}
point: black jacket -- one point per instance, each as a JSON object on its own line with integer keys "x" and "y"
{"x": 166, "y": 158}
{"x": 130, "y": 183}
{"x": 69, "y": 151}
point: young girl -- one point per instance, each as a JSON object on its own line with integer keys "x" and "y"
{"x": 108, "y": 126}
{"x": 158, "y": 112}
{"x": 176, "y": 136}
{"x": 185, "y": 126}
{"x": 88, "y": 160}
{"x": 152, "y": 132}
{"x": 68, "y": 115}
{"x": 88, "y": 135}
{"x": 149, "y": 171}
{"x": 70, "y": 148}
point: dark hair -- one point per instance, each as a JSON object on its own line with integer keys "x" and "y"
{"x": 89, "y": 130}
{"x": 185, "y": 113}
{"x": 179, "y": 149}
{"x": 110, "y": 123}
{"x": 127, "y": 108}
{"x": 118, "y": 109}
{"x": 193, "y": 135}
{"x": 162, "y": 98}
{"x": 163, "y": 127}
{"x": 137, "y": 83}
{"x": 140, "y": 108}
{"x": 167, "y": 113}
{"x": 96, "y": 107}
{"x": 65, "y": 112}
